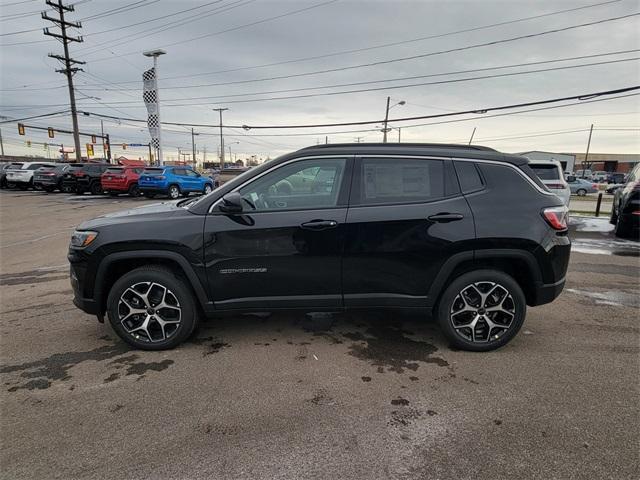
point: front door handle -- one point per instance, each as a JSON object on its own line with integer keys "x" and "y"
{"x": 319, "y": 224}
{"x": 445, "y": 217}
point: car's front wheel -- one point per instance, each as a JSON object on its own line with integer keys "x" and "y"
{"x": 96, "y": 188}
{"x": 134, "y": 190}
{"x": 482, "y": 310}
{"x": 581, "y": 192}
{"x": 152, "y": 308}
{"x": 174, "y": 192}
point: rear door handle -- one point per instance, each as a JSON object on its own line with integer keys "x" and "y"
{"x": 445, "y": 217}
{"x": 319, "y": 224}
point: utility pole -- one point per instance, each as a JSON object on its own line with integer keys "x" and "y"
{"x": 386, "y": 120}
{"x": 585, "y": 164}
{"x": 1, "y": 144}
{"x": 68, "y": 70}
{"x": 193, "y": 147}
{"x": 399, "y": 130}
{"x": 326, "y": 139}
{"x": 220, "y": 110}
{"x": 204, "y": 155}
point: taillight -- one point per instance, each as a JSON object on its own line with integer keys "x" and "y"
{"x": 594, "y": 185}
{"x": 556, "y": 217}
{"x": 556, "y": 186}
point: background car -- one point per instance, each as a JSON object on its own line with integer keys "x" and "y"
{"x": 586, "y": 174}
{"x": 173, "y": 181}
{"x": 3, "y": 172}
{"x": 22, "y": 177}
{"x": 611, "y": 188}
{"x": 229, "y": 174}
{"x": 551, "y": 174}
{"x": 69, "y": 178}
{"x": 616, "y": 178}
{"x": 49, "y": 178}
{"x": 88, "y": 178}
{"x": 117, "y": 180}
{"x": 580, "y": 186}
{"x": 599, "y": 176}
{"x": 625, "y": 212}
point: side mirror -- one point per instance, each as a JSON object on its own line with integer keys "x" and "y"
{"x": 571, "y": 178}
{"x": 231, "y": 203}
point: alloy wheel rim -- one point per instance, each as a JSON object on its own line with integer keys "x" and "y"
{"x": 482, "y": 312}
{"x": 149, "y": 312}
{"x": 174, "y": 192}
{"x": 207, "y": 189}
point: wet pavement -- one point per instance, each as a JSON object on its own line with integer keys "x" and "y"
{"x": 372, "y": 395}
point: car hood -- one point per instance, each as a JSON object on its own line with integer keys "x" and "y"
{"x": 162, "y": 209}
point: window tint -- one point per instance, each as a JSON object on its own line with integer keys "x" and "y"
{"x": 114, "y": 170}
{"x": 179, "y": 171}
{"x": 546, "y": 172}
{"x": 34, "y": 166}
{"x": 468, "y": 176}
{"x": 301, "y": 185}
{"x": 401, "y": 180}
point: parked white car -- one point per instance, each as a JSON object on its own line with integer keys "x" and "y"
{"x": 599, "y": 176}
{"x": 551, "y": 174}
{"x": 23, "y": 177}
{"x": 587, "y": 174}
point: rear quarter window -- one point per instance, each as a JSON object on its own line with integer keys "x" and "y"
{"x": 468, "y": 176}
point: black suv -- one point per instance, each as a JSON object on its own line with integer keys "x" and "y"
{"x": 625, "y": 211}
{"x": 88, "y": 178}
{"x": 468, "y": 233}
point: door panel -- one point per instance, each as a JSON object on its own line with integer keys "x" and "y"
{"x": 285, "y": 249}
{"x": 267, "y": 260}
{"x": 393, "y": 252}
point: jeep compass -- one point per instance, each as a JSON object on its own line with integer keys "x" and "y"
{"x": 465, "y": 233}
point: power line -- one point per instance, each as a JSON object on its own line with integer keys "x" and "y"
{"x": 582, "y": 97}
{"x": 126, "y": 104}
{"x": 43, "y": 115}
{"x": 429, "y": 54}
{"x": 238, "y": 27}
{"x": 386, "y": 45}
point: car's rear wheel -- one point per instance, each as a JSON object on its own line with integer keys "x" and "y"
{"x": 174, "y": 192}
{"x": 207, "y": 189}
{"x": 482, "y": 310}
{"x": 152, "y": 308}
{"x": 581, "y": 192}
{"x": 623, "y": 227}
{"x": 134, "y": 190}
{"x": 96, "y": 188}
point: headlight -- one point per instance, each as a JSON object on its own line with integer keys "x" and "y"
{"x": 82, "y": 239}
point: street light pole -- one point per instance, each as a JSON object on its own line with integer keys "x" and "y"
{"x": 386, "y": 117}
{"x": 220, "y": 110}
{"x": 193, "y": 147}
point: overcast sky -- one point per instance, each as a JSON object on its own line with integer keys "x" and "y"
{"x": 242, "y": 36}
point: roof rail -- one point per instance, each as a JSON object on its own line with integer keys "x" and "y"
{"x": 395, "y": 145}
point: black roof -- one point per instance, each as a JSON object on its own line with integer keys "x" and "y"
{"x": 435, "y": 149}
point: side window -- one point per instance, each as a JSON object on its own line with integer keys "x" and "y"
{"x": 34, "y": 166}
{"x": 401, "y": 180}
{"x": 179, "y": 171}
{"x": 191, "y": 173}
{"x": 303, "y": 185}
{"x": 468, "y": 176}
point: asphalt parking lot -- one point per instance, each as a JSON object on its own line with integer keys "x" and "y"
{"x": 372, "y": 395}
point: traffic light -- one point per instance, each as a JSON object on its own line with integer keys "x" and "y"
{"x": 89, "y": 150}
{"x": 50, "y": 132}
{"x": 93, "y": 139}
{"x": 21, "y": 129}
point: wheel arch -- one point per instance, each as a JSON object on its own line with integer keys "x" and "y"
{"x": 519, "y": 264}
{"x": 115, "y": 265}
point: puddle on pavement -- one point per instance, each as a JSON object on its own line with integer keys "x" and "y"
{"x": 615, "y": 298}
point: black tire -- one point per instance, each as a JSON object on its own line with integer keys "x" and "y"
{"x": 173, "y": 192}
{"x": 623, "y": 228}
{"x": 11, "y": 185}
{"x": 66, "y": 188}
{"x": 96, "y": 188}
{"x": 513, "y": 300}
{"x": 180, "y": 291}
{"x": 208, "y": 188}
{"x": 581, "y": 192}
{"x": 134, "y": 190}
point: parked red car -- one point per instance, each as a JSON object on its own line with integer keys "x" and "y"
{"x": 116, "y": 180}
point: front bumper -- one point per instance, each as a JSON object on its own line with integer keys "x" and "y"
{"x": 77, "y": 274}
